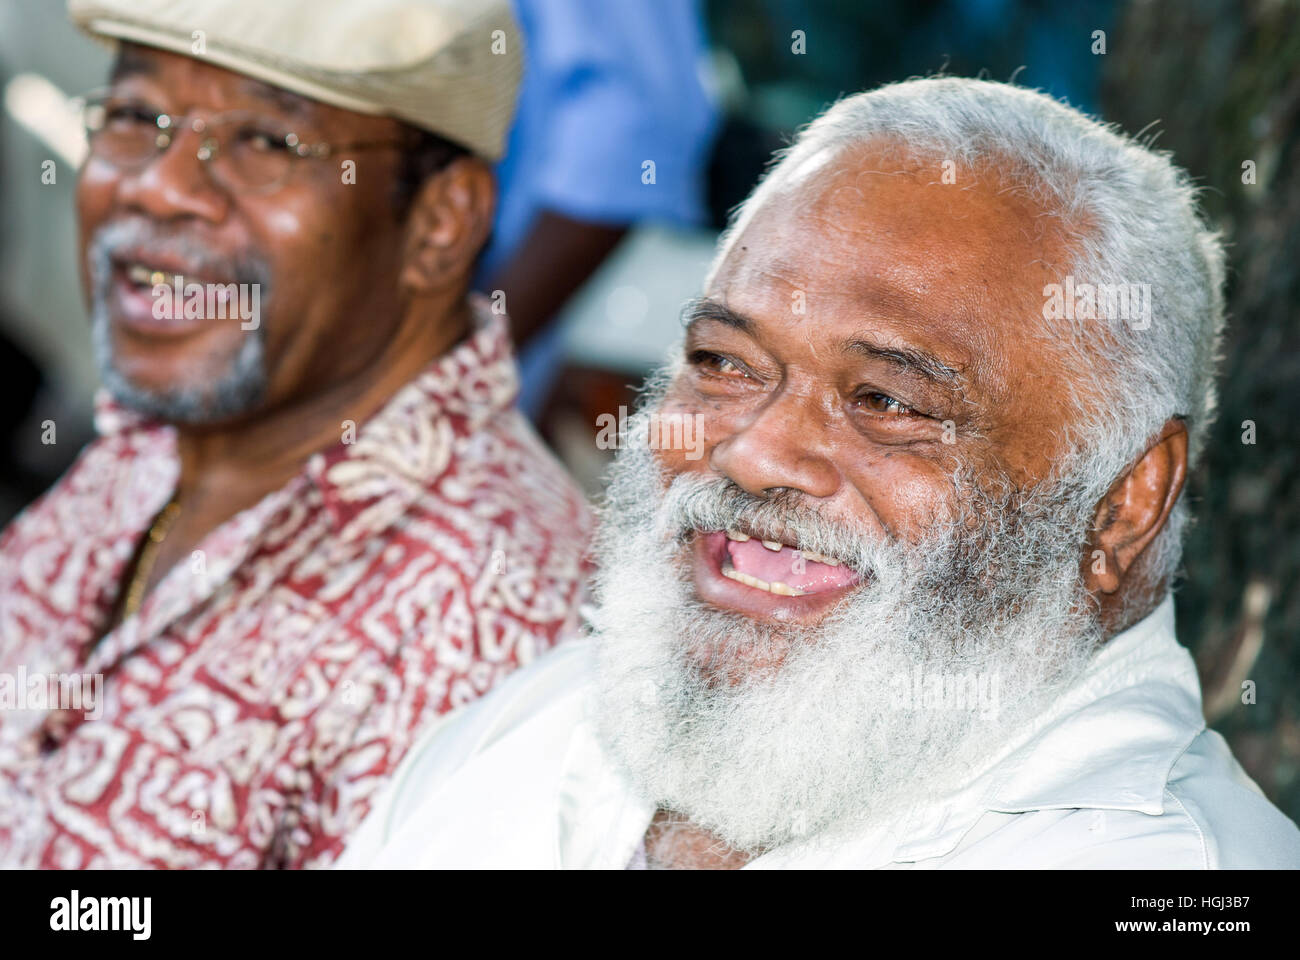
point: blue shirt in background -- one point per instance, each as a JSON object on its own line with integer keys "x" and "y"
{"x": 606, "y": 87}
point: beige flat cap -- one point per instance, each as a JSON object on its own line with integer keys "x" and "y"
{"x": 449, "y": 66}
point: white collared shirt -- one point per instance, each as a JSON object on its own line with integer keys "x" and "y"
{"x": 1120, "y": 772}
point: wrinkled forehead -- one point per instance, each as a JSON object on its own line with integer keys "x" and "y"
{"x": 912, "y": 242}
{"x": 873, "y": 216}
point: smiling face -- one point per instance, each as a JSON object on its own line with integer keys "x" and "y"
{"x": 322, "y": 253}
{"x": 869, "y": 331}
{"x": 877, "y": 406}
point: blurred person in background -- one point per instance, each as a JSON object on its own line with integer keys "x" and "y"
{"x": 607, "y": 89}
{"x": 309, "y": 527}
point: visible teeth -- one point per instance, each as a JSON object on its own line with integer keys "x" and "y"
{"x": 786, "y": 591}
{"x": 776, "y": 587}
{"x": 819, "y": 558}
{"x": 776, "y": 545}
{"x": 746, "y": 579}
{"x": 140, "y": 274}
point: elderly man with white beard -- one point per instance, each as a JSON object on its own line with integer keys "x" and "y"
{"x": 911, "y": 607}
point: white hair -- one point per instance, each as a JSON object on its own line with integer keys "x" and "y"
{"x": 1129, "y": 216}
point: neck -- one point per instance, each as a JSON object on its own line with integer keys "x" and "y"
{"x": 227, "y": 467}
{"x": 1136, "y": 600}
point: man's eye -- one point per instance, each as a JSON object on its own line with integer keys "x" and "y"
{"x": 716, "y": 363}
{"x": 129, "y": 115}
{"x": 884, "y": 404}
{"x": 262, "y": 141}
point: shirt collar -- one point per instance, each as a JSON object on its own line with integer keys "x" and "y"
{"x": 1143, "y": 684}
{"x": 1107, "y": 743}
{"x": 372, "y": 474}
{"x": 112, "y": 419}
{"x": 369, "y": 481}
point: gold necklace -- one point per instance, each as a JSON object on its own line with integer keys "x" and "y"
{"x": 148, "y": 557}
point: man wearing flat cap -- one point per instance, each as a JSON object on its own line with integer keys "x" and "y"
{"x": 312, "y": 521}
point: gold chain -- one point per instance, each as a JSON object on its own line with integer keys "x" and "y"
{"x": 148, "y": 557}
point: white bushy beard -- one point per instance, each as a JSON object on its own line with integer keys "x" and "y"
{"x": 830, "y": 739}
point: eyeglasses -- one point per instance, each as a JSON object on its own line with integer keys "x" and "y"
{"x": 242, "y": 151}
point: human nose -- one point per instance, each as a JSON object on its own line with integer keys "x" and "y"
{"x": 782, "y": 445}
{"x": 175, "y": 183}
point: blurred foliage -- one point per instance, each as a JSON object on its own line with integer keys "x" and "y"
{"x": 848, "y": 45}
{"x": 1222, "y": 77}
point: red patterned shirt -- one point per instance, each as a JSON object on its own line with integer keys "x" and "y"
{"x": 268, "y": 686}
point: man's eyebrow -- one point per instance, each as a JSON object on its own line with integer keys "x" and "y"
{"x": 284, "y": 100}
{"x": 131, "y": 61}
{"x": 909, "y": 360}
{"x": 705, "y": 308}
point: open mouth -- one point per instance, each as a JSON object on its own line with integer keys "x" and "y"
{"x": 782, "y": 568}
{"x": 143, "y": 276}
{"x": 143, "y": 308}
{"x": 768, "y": 579}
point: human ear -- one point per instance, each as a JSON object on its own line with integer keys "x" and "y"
{"x": 449, "y": 222}
{"x": 1136, "y": 508}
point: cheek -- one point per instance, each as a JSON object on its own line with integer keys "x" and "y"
{"x": 297, "y": 221}
{"x": 96, "y": 186}
{"x": 907, "y": 495}
{"x": 96, "y": 183}
{"x": 309, "y": 240}
{"x": 295, "y": 244}
{"x": 290, "y": 240}
{"x": 283, "y": 224}
{"x": 699, "y": 424}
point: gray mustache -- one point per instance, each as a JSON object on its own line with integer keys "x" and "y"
{"x": 715, "y": 503}
{"x": 114, "y": 238}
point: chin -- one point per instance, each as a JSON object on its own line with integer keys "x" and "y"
{"x": 167, "y": 381}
